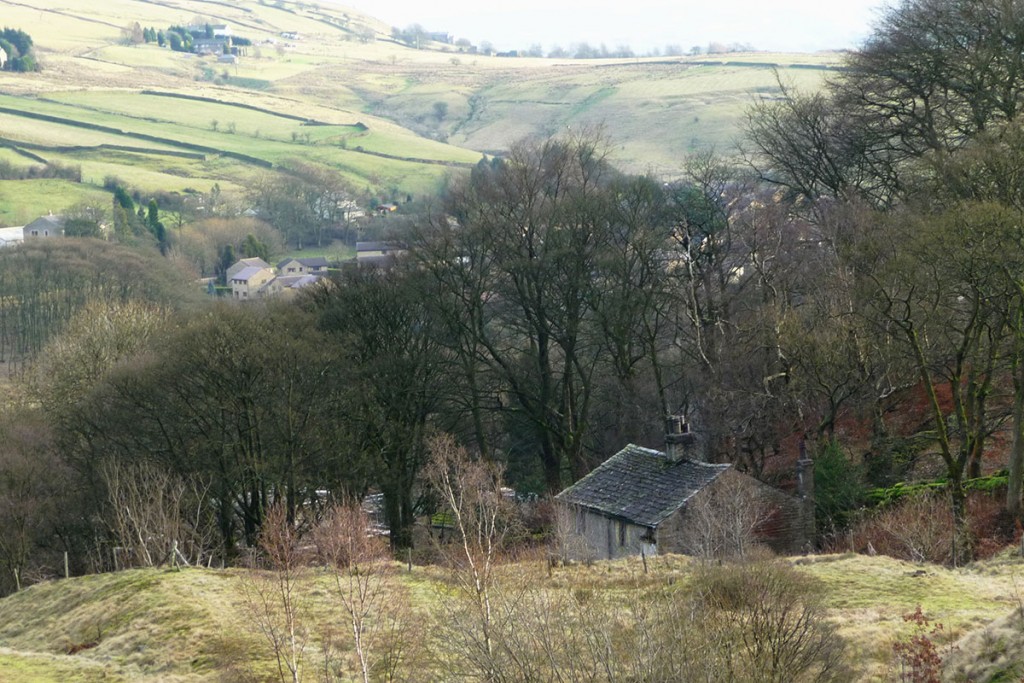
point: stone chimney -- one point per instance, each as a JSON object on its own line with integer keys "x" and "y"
{"x": 680, "y": 442}
{"x": 805, "y": 491}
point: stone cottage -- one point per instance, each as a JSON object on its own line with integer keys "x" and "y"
{"x": 649, "y": 501}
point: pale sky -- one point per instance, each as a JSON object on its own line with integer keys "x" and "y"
{"x": 776, "y": 25}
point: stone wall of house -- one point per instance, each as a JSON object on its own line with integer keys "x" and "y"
{"x": 782, "y": 529}
{"x": 597, "y": 537}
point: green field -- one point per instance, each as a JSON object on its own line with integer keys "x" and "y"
{"x": 378, "y": 97}
{"x": 22, "y": 201}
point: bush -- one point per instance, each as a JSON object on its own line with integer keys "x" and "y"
{"x": 917, "y": 656}
{"x": 769, "y": 622}
{"x": 759, "y": 621}
{"x": 919, "y": 528}
{"x": 53, "y": 169}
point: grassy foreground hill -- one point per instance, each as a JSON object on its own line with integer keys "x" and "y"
{"x": 337, "y": 91}
{"x": 192, "y": 625}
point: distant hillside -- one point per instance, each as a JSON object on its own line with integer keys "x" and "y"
{"x": 329, "y": 85}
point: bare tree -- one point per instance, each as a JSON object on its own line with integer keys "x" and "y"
{"x": 33, "y": 498}
{"x": 275, "y": 597}
{"x": 155, "y": 516}
{"x": 362, "y": 569}
{"x": 471, "y": 495}
{"x": 722, "y": 521}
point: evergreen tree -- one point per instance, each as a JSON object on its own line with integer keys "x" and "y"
{"x": 227, "y": 259}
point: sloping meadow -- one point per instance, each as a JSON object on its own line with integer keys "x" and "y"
{"x": 600, "y": 621}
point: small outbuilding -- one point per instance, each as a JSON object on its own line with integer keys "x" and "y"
{"x": 646, "y": 501}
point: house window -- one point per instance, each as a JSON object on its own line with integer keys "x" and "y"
{"x": 622, "y": 534}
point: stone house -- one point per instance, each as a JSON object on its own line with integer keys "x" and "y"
{"x": 287, "y": 286}
{"x": 241, "y": 264}
{"x": 45, "y": 226}
{"x": 647, "y": 501}
{"x": 250, "y": 283}
{"x": 378, "y": 253}
{"x": 303, "y": 266}
{"x": 252, "y": 278}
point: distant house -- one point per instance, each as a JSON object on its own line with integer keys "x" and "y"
{"x": 302, "y": 266}
{"x": 218, "y": 30}
{"x": 251, "y": 282}
{"x": 227, "y": 59}
{"x": 378, "y": 253}
{"x": 440, "y": 37}
{"x": 646, "y": 501}
{"x": 242, "y": 264}
{"x": 211, "y": 46}
{"x": 3, "y": 57}
{"x": 288, "y": 285}
{"x": 45, "y": 226}
{"x": 385, "y": 209}
{"x": 11, "y": 236}
{"x": 252, "y": 278}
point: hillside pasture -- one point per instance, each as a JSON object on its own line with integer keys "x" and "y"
{"x": 156, "y": 173}
{"x": 212, "y": 128}
{"x": 147, "y": 57}
{"x": 654, "y": 111}
{"x": 22, "y": 201}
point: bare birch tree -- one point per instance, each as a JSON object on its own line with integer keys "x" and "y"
{"x": 470, "y": 492}
{"x": 275, "y": 597}
{"x": 362, "y": 569}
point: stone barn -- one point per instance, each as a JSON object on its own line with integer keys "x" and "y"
{"x": 649, "y": 501}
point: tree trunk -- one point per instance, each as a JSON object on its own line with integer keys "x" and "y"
{"x": 961, "y": 537}
{"x": 1016, "y": 476}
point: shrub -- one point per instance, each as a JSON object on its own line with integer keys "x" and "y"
{"x": 919, "y": 529}
{"x": 768, "y": 622}
{"x": 917, "y": 656}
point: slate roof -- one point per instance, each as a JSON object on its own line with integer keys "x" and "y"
{"x": 641, "y": 485}
{"x": 314, "y": 262}
{"x": 51, "y": 222}
{"x": 296, "y": 281}
{"x": 378, "y": 246}
{"x": 311, "y": 262}
{"x": 246, "y": 273}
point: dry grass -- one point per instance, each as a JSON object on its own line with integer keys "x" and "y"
{"x": 191, "y": 625}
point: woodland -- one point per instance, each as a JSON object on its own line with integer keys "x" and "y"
{"x": 849, "y": 284}
{"x": 852, "y": 283}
